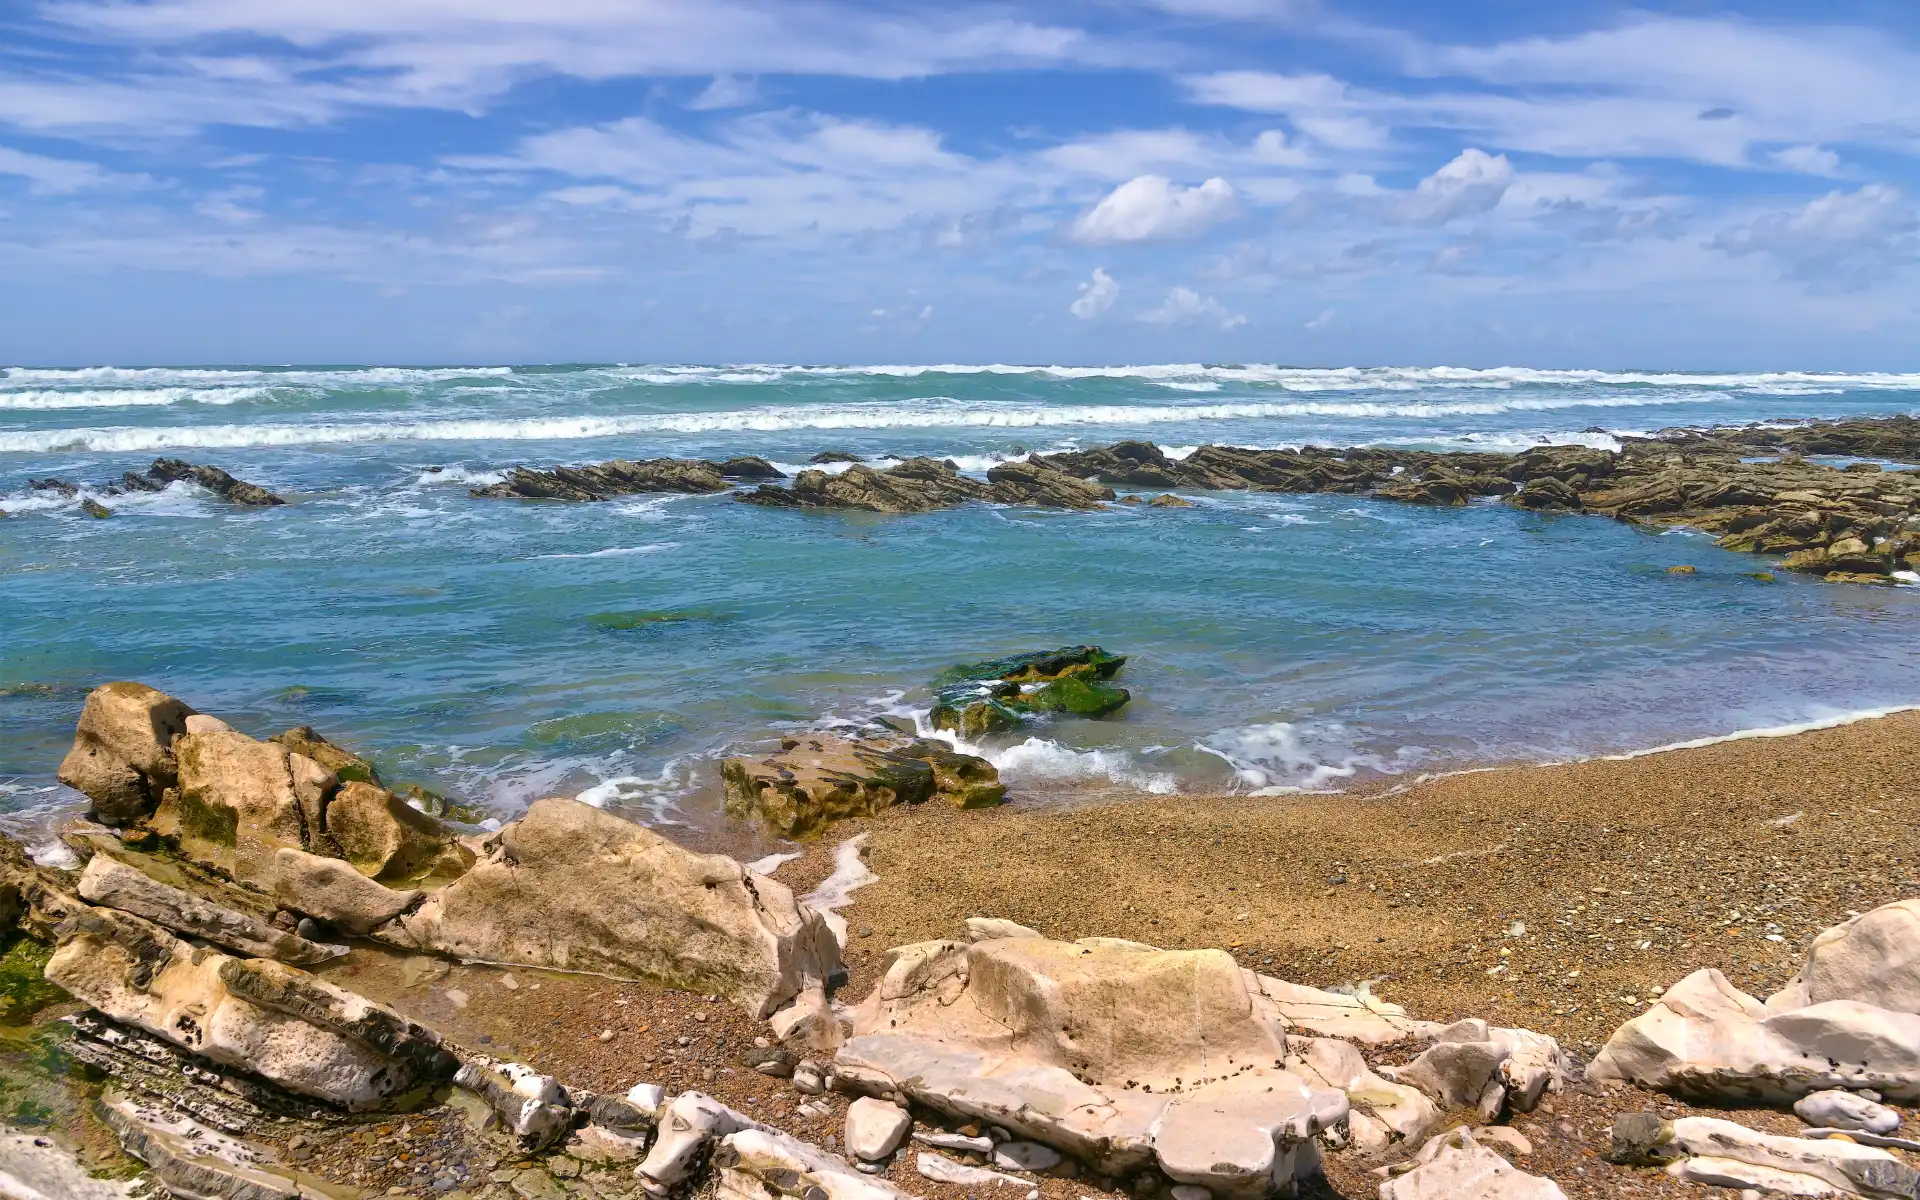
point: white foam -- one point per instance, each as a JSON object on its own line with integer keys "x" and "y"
{"x": 850, "y": 873}
{"x": 235, "y": 376}
{"x": 618, "y": 551}
{"x": 458, "y": 475}
{"x": 658, "y": 795}
{"x": 1038, "y": 760}
{"x": 773, "y": 862}
{"x": 918, "y": 414}
{"x": 1829, "y": 721}
{"x": 1284, "y": 758}
{"x": 46, "y": 401}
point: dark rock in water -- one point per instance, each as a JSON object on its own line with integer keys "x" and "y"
{"x": 835, "y": 456}
{"x": 750, "y": 467}
{"x": 1036, "y": 483}
{"x": 95, "y": 509}
{"x": 1169, "y": 500}
{"x": 52, "y": 485}
{"x": 234, "y": 491}
{"x": 1547, "y": 494}
{"x": 603, "y": 481}
{"x": 1139, "y": 464}
{"x": 994, "y": 696}
{"x": 914, "y": 486}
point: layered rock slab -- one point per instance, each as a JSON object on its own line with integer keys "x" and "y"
{"x": 1120, "y": 1055}
{"x": 277, "y": 1022}
{"x": 573, "y": 888}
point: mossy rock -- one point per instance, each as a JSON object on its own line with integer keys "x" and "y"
{"x": 24, "y": 990}
{"x": 1078, "y": 696}
{"x": 1042, "y": 665}
{"x": 972, "y": 714}
{"x": 350, "y": 767}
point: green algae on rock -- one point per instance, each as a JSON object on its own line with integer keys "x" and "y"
{"x": 813, "y": 781}
{"x": 997, "y": 695}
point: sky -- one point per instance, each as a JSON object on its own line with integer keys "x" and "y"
{"x": 1320, "y": 182}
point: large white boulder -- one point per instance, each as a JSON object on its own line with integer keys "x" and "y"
{"x": 875, "y": 1128}
{"x": 574, "y": 888}
{"x": 1873, "y": 959}
{"x": 1475, "y": 1065}
{"x": 1707, "y": 1038}
{"x": 1121, "y": 1055}
{"x": 272, "y": 1020}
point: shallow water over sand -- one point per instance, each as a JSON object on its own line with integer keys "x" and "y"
{"x": 501, "y": 651}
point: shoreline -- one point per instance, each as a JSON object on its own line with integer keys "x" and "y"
{"x": 1770, "y": 837}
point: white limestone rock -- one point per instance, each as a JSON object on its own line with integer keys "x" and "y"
{"x": 1357, "y": 1017}
{"x": 253, "y": 1014}
{"x": 1872, "y": 959}
{"x": 1121, "y": 1056}
{"x": 1834, "y": 1109}
{"x": 1724, "y": 1154}
{"x": 756, "y": 1163}
{"x": 687, "y": 1126}
{"x": 942, "y": 1169}
{"x": 1707, "y": 1038}
{"x": 1025, "y": 1156}
{"x": 574, "y": 888}
{"x": 1455, "y": 1167}
{"x": 875, "y": 1128}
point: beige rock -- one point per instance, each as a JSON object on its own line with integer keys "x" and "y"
{"x": 335, "y": 893}
{"x": 346, "y": 765}
{"x": 234, "y": 807}
{"x": 756, "y": 1163}
{"x": 1357, "y": 1017}
{"x": 574, "y": 888}
{"x": 259, "y": 1016}
{"x": 117, "y": 885}
{"x": 383, "y": 836}
{"x": 984, "y": 929}
{"x": 1121, "y": 1056}
{"x": 817, "y": 779}
{"x": 1724, "y": 1154}
{"x": 1707, "y": 1038}
{"x": 1474, "y": 1065}
{"x": 941, "y": 1169}
{"x": 1873, "y": 958}
{"x": 1835, "y": 1109}
{"x": 1402, "y": 1111}
{"x": 122, "y": 755}
{"x": 875, "y": 1128}
{"x": 202, "y": 723}
{"x": 1455, "y": 1167}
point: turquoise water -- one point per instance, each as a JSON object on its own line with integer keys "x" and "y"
{"x": 502, "y": 651}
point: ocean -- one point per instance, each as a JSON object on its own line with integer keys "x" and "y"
{"x": 499, "y": 651}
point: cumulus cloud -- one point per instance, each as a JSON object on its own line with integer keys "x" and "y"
{"x": 1808, "y": 160}
{"x": 1152, "y": 208}
{"x": 1096, "y": 295}
{"x": 1469, "y": 185}
{"x": 1848, "y": 239}
{"x": 1184, "y": 306}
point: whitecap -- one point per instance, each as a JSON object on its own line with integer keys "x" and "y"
{"x": 618, "y": 551}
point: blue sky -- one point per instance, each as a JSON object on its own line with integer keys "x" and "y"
{"x": 1305, "y": 181}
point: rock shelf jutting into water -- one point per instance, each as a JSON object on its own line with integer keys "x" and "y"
{"x": 1750, "y": 486}
{"x": 231, "y": 1057}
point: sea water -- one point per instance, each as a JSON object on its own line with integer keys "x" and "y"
{"x": 499, "y": 651}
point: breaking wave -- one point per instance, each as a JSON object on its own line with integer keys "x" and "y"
{"x": 919, "y": 414}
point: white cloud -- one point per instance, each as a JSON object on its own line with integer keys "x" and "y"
{"x": 316, "y": 60}
{"x": 1320, "y": 322}
{"x": 1184, "y": 306}
{"x": 52, "y": 176}
{"x": 1096, "y": 296}
{"x": 1151, "y": 208}
{"x": 725, "y": 91}
{"x": 1808, "y": 160}
{"x": 1846, "y": 238}
{"x": 1467, "y": 186}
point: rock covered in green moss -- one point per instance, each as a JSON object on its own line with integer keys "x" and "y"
{"x": 813, "y": 781}
{"x": 997, "y": 695}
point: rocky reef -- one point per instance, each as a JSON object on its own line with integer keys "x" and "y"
{"x": 925, "y": 485}
{"x": 156, "y": 478}
{"x": 604, "y": 481}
